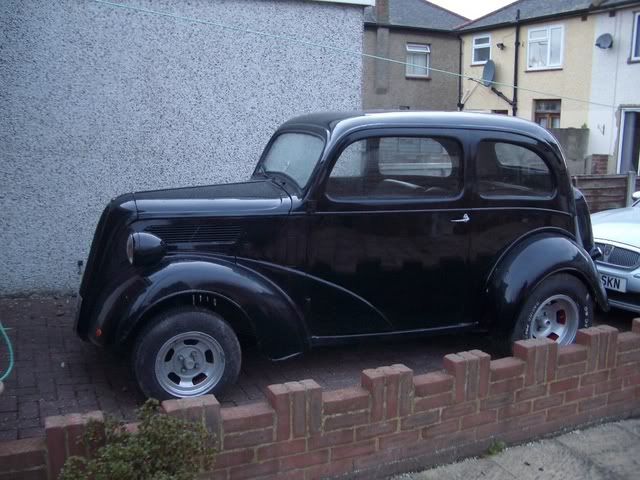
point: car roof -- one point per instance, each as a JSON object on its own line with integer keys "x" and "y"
{"x": 340, "y": 122}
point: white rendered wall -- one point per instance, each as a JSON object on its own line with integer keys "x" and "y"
{"x": 614, "y": 81}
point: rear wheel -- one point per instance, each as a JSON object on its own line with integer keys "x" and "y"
{"x": 556, "y": 309}
{"x": 186, "y": 353}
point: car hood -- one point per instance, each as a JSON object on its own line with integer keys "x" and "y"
{"x": 262, "y": 197}
{"x": 620, "y": 225}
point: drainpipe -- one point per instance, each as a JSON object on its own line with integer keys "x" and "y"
{"x": 515, "y": 66}
{"x": 460, "y": 104}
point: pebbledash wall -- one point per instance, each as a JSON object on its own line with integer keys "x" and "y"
{"x": 97, "y": 100}
{"x": 394, "y": 421}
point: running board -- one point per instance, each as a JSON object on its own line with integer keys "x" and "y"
{"x": 423, "y": 332}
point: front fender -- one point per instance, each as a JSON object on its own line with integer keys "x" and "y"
{"x": 527, "y": 264}
{"x": 276, "y": 321}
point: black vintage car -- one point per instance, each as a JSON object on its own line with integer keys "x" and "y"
{"x": 352, "y": 226}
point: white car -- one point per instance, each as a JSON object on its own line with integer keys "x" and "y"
{"x": 617, "y": 234}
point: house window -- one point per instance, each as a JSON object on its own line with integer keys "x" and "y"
{"x": 635, "y": 48}
{"x": 481, "y": 50}
{"x": 545, "y": 47}
{"x": 418, "y": 60}
{"x": 547, "y": 113}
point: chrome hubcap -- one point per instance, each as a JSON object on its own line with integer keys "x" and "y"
{"x": 189, "y": 364}
{"x": 557, "y": 319}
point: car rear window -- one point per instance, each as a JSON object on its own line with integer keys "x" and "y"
{"x": 511, "y": 170}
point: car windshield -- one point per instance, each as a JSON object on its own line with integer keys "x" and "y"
{"x": 294, "y": 155}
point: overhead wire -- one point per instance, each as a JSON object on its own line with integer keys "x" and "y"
{"x": 292, "y": 39}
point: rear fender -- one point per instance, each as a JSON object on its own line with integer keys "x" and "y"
{"x": 276, "y": 322}
{"x": 526, "y": 265}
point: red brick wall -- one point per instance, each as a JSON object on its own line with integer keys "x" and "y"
{"x": 394, "y": 421}
{"x": 599, "y": 164}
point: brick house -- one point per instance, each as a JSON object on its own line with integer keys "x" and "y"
{"x": 420, "y": 33}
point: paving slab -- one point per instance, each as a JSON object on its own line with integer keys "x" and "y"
{"x": 468, "y": 469}
{"x": 611, "y": 447}
{"x": 605, "y": 452}
{"x": 632, "y": 426}
{"x": 550, "y": 460}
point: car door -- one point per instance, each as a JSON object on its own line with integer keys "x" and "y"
{"x": 389, "y": 239}
{"x": 519, "y": 188}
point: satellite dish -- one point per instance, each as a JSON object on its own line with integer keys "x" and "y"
{"x": 604, "y": 41}
{"x": 489, "y": 73}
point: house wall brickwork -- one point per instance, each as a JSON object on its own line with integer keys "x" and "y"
{"x": 393, "y": 421}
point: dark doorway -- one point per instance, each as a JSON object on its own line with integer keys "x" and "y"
{"x": 630, "y": 142}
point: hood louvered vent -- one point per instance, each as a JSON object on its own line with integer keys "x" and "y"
{"x": 213, "y": 234}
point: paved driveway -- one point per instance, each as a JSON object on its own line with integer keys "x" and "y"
{"x": 56, "y": 373}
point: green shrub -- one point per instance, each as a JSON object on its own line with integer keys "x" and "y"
{"x": 164, "y": 448}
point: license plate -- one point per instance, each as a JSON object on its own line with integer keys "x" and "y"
{"x": 614, "y": 283}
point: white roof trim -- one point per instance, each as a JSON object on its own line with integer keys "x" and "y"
{"x": 366, "y": 3}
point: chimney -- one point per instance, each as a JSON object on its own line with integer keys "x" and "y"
{"x": 382, "y": 11}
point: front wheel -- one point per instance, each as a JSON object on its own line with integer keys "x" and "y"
{"x": 556, "y": 309}
{"x": 186, "y": 353}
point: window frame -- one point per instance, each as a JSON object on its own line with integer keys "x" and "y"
{"x": 417, "y": 49}
{"x": 635, "y": 32}
{"x": 547, "y": 29}
{"x": 329, "y": 203}
{"x": 549, "y": 114}
{"x": 474, "y": 47}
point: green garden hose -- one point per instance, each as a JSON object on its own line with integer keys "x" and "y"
{"x": 3, "y": 332}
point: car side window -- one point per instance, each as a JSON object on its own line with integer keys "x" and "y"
{"x": 508, "y": 170}
{"x": 397, "y": 168}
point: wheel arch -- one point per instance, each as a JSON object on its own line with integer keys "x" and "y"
{"x": 525, "y": 266}
{"x": 256, "y": 305}
{"x": 230, "y": 311}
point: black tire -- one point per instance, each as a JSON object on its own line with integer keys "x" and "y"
{"x": 559, "y": 284}
{"x": 184, "y": 321}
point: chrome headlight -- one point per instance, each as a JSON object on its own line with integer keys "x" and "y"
{"x": 144, "y": 248}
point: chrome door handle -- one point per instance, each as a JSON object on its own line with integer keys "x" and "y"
{"x": 465, "y": 218}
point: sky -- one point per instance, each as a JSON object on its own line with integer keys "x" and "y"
{"x": 472, "y": 8}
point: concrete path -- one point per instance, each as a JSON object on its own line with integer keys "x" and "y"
{"x": 608, "y": 452}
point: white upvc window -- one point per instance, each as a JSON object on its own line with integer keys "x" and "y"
{"x": 545, "y": 47}
{"x": 418, "y": 60}
{"x": 481, "y": 49}
{"x": 635, "y": 46}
